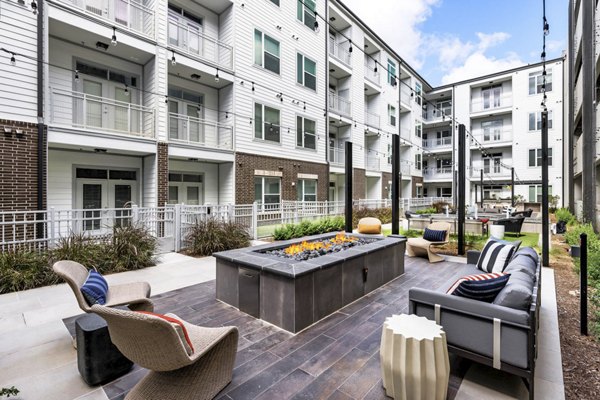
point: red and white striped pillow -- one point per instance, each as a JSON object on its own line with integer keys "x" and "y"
{"x": 479, "y": 277}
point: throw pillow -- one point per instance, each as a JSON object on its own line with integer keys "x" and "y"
{"x": 514, "y": 295}
{"x": 516, "y": 244}
{"x": 483, "y": 287}
{"x": 95, "y": 288}
{"x": 179, "y": 328}
{"x": 495, "y": 256}
{"x": 434, "y": 236}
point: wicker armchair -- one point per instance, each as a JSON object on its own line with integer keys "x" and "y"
{"x": 154, "y": 344}
{"x": 135, "y": 295}
{"x": 419, "y": 247}
{"x": 525, "y": 213}
{"x": 511, "y": 225}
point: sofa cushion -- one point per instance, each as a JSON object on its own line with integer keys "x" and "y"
{"x": 482, "y": 287}
{"x": 434, "y": 236}
{"x": 529, "y": 252}
{"x": 495, "y": 256}
{"x": 525, "y": 260}
{"x": 515, "y": 295}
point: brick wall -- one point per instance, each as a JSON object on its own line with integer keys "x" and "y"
{"x": 359, "y": 184}
{"x": 386, "y": 187}
{"x": 18, "y": 166}
{"x": 415, "y": 180}
{"x": 162, "y": 153}
{"x": 246, "y": 164}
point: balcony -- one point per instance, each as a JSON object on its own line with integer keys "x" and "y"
{"x": 340, "y": 52}
{"x": 339, "y": 105}
{"x": 436, "y": 115}
{"x": 405, "y": 169}
{"x": 83, "y": 111}
{"x": 578, "y": 95}
{"x": 190, "y": 130}
{"x": 492, "y": 137}
{"x": 491, "y": 104}
{"x": 578, "y": 33}
{"x": 371, "y": 75}
{"x": 493, "y": 171}
{"x": 405, "y": 136}
{"x": 438, "y": 143}
{"x": 337, "y": 156}
{"x": 124, "y": 14}
{"x": 373, "y": 120}
{"x": 193, "y": 42}
{"x": 432, "y": 173}
{"x": 372, "y": 162}
{"x": 405, "y": 97}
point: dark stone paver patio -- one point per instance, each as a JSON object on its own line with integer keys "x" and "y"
{"x": 336, "y": 358}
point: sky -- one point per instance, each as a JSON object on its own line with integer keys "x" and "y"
{"x": 447, "y": 41}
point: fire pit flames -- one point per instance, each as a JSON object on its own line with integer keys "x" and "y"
{"x": 307, "y": 250}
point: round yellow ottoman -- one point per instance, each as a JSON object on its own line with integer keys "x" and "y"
{"x": 369, "y": 225}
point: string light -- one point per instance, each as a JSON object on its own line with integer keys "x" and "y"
{"x": 173, "y": 60}
{"x": 34, "y": 7}
{"x": 114, "y": 37}
{"x": 252, "y": 86}
{"x": 126, "y": 90}
{"x": 76, "y": 76}
{"x": 13, "y": 60}
{"x": 217, "y": 76}
{"x": 316, "y": 25}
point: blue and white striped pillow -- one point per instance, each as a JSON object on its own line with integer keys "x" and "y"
{"x": 94, "y": 288}
{"x": 495, "y": 256}
{"x": 483, "y": 287}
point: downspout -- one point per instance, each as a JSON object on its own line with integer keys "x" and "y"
{"x": 40, "y": 106}
{"x": 326, "y": 65}
{"x": 570, "y": 178}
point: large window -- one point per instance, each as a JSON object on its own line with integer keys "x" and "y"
{"x": 266, "y": 123}
{"x": 306, "y": 133}
{"x": 418, "y": 128}
{"x": 306, "y": 71}
{"x": 266, "y": 51}
{"x": 306, "y": 12}
{"x": 389, "y": 154}
{"x": 391, "y": 70}
{"x": 444, "y": 192}
{"x": 418, "y": 158}
{"x": 492, "y": 130}
{"x": 391, "y": 115}
{"x": 535, "y": 157}
{"x": 267, "y": 190}
{"x": 418, "y": 92}
{"x": 307, "y": 190}
{"x": 535, "y": 120}
{"x": 186, "y": 188}
{"x": 535, "y": 193}
{"x": 536, "y": 81}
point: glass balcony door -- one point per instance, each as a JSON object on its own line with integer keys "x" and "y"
{"x": 185, "y": 33}
{"x": 491, "y": 97}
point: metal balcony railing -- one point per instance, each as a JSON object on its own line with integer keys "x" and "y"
{"x": 340, "y": 52}
{"x": 373, "y": 119}
{"x": 438, "y": 143}
{"x": 405, "y": 94}
{"x": 339, "y": 105}
{"x": 85, "y": 111}
{"x": 183, "y": 128}
{"x": 372, "y": 162}
{"x": 492, "y": 136}
{"x": 337, "y": 156}
{"x": 437, "y": 173}
{"x": 370, "y": 73}
{"x": 405, "y": 169}
{"x": 492, "y": 171}
{"x": 191, "y": 40}
{"x": 493, "y": 103}
{"x": 437, "y": 115}
{"x": 128, "y": 14}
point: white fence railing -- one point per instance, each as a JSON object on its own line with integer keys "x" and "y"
{"x": 339, "y": 105}
{"x": 373, "y": 119}
{"x": 491, "y": 103}
{"x": 337, "y": 156}
{"x": 129, "y": 14}
{"x": 340, "y": 51}
{"x": 370, "y": 73}
{"x": 38, "y": 230}
{"x": 183, "y": 128}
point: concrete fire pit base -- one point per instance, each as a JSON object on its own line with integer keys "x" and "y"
{"x": 295, "y": 294}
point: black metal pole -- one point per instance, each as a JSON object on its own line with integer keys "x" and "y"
{"x": 588, "y": 110}
{"x": 583, "y": 284}
{"x": 481, "y": 185}
{"x": 395, "y": 184}
{"x": 348, "y": 177}
{"x": 512, "y": 186}
{"x": 461, "y": 189}
{"x": 41, "y": 142}
{"x": 545, "y": 214}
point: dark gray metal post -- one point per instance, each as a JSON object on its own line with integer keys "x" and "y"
{"x": 481, "y": 186}
{"x": 461, "y": 188}
{"x": 545, "y": 213}
{"x": 348, "y": 177}
{"x": 583, "y": 285}
{"x": 587, "y": 116}
{"x": 395, "y": 184}
{"x": 571, "y": 111}
{"x": 512, "y": 186}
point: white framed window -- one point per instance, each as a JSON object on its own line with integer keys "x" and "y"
{"x": 266, "y": 52}
{"x": 535, "y": 120}
{"x": 444, "y": 192}
{"x": 492, "y": 130}
{"x": 535, "y": 193}
{"x": 306, "y": 133}
{"x": 306, "y": 12}
{"x": 418, "y": 92}
{"x": 536, "y": 81}
{"x": 306, "y": 72}
{"x": 418, "y": 160}
{"x": 186, "y": 188}
{"x": 266, "y": 123}
{"x": 419, "y": 191}
{"x": 389, "y": 154}
{"x": 418, "y": 129}
{"x": 391, "y": 115}
{"x": 267, "y": 190}
{"x": 307, "y": 189}
{"x": 535, "y": 157}
{"x": 391, "y": 72}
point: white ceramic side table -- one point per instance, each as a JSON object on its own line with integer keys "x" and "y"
{"x": 414, "y": 358}
{"x": 497, "y": 231}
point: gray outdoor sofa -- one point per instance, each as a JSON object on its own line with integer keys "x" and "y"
{"x": 496, "y": 335}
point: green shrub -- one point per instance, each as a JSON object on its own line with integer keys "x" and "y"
{"x": 429, "y": 210}
{"x": 574, "y": 231}
{"x": 307, "y": 228}
{"x": 564, "y": 215}
{"x": 211, "y": 236}
{"x": 412, "y": 233}
{"x": 383, "y": 214}
{"x": 80, "y": 248}
{"x": 24, "y": 269}
{"x": 130, "y": 247}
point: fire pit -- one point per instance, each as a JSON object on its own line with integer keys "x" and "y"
{"x": 295, "y": 283}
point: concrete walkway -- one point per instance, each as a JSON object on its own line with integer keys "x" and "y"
{"x": 37, "y": 356}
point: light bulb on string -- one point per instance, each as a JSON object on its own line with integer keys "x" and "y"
{"x": 34, "y": 7}
{"x": 173, "y": 60}
{"x": 217, "y": 76}
{"x": 113, "y": 40}
{"x": 13, "y": 60}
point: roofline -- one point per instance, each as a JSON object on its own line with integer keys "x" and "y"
{"x": 483, "y": 77}
{"x": 383, "y": 42}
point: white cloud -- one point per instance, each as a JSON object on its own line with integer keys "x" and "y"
{"x": 397, "y": 22}
{"x": 478, "y": 64}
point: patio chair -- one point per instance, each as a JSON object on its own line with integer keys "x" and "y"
{"x": 525, "y": 213}
{"x": 155, "y": 344}
{"x": 511, "y": 225}
{"x": 419, "y": 247}
{"x": 135, "y": 295}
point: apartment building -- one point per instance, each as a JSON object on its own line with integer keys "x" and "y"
{"x": 155, "y": 102}
{"x": 502, "y": 116}
{"x": 581, "y": 146}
